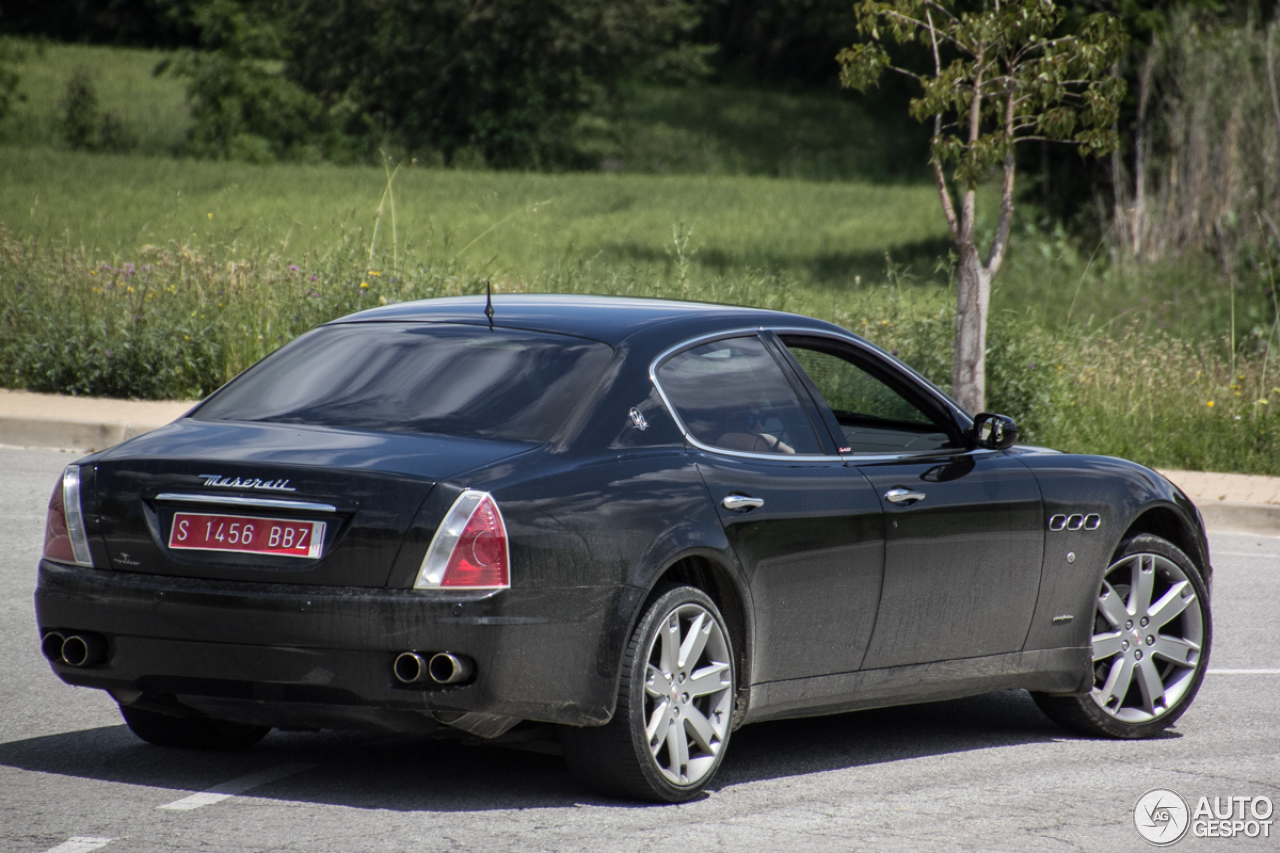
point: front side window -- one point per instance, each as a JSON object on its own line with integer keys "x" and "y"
{"x": 732, "y": 394}
{"x": 460, "y": 380}
{"x": 873, "y": 417}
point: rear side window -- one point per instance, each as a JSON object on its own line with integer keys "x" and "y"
{"x": 460, "y": 380}
{"x": 731, "y": 394}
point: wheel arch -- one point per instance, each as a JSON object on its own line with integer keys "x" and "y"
{"x": 712, "y": 576}
{"x": 1168, "y": 523}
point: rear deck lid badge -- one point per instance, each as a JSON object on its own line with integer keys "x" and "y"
{"x": 217, "y": 481}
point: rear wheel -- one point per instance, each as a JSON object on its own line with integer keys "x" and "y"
{"x": 191, "y": 732}
{"x": 675, "y": 706}
{"x": 1151, "y": 638}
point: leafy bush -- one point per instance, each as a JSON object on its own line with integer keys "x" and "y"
{"x": 500, "y": 84}
{"x": 79, "y": 107}
{"x": 84, "y": 126}
{"x": 9, "y": 56}
{"x": 243, "y": 109}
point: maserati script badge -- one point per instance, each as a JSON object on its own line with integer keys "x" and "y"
{"x": 217, "y": 481}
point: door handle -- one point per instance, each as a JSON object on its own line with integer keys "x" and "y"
{"x": 901, "y": 496}
{"x": 741, "y": 502}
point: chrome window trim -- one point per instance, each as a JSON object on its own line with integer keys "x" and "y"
{"x": 853, "y": 458}
{"x": 858, "y": 343}
{"x": 233, "y": 500}
{"x": 753, "y": 331}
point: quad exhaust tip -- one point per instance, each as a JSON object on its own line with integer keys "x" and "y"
{"x": 410, "y": 667}
{"x": 447, "y": 668}
{"x": 441, "y": 668}
{"x": 76, "y": 650}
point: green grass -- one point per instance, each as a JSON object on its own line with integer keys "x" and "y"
{"x": 822, "y": 239}
{"x": 152, "y": 108}
{"x": 819, "y": 236}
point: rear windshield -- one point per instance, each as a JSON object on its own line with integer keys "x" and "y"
{"x": 429, "y": 378}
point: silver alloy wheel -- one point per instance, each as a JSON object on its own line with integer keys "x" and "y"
{"x": 1148, "y": 635}
{"x": 688, "y": 694}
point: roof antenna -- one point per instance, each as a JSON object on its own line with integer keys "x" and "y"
{"x": 488, "y": 301}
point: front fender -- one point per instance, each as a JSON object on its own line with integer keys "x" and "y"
{"x": 1128, "y": 499}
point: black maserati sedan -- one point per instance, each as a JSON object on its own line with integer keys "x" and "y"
{"x": 637, "y": 524}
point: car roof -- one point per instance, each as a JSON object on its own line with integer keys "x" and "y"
{"x": 610, "y": 319}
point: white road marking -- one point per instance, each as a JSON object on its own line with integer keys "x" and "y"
{"x": 218, "y": 793}
{"x": 79, "y": 844}
{"x": 1243, "y": 672}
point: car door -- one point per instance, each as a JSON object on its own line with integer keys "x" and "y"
{"x": 963, "y": 525}
{"x": 808, "y": 534}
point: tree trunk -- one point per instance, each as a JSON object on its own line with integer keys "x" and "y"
{"x": 973, "y": 296}
{"x": 1139, "y": 225}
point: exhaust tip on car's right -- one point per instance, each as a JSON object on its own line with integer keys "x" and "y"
{"x": 440, "y": 668}
{"x": 78, "y": 650}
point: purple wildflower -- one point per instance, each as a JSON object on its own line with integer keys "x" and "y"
{"x": 294, "y": 268}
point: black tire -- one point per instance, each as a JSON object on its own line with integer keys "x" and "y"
{"x": 1120, "y": 705}
{"x": 191, "y": 732}
{"x": 617, "y": 759}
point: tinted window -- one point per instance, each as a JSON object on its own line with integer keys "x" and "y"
{"x": 873, "y": 416}
{"x": 429, "y": 378}
{"x": 732, "y": 394}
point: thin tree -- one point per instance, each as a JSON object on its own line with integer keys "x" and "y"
{"x": 1001, "y": 74}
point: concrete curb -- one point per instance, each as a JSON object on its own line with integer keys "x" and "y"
{"x": 1237, "y": 517}
{"x": 67, "y": 434}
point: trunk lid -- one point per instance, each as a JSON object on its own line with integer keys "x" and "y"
{"x": 357, "y": 492}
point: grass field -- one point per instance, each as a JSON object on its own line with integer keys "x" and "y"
{"x": 825, "y": 240}
{"x": 151, "y": 107}
{"x": 504, "y": 224}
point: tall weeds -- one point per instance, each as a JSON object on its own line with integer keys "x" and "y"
{"x": 177, "y": 321}
{"x": 1206, "y": 158}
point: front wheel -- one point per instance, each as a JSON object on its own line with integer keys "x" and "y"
{"x": 1151, "y": 638}
{"x": 675, "y": 706}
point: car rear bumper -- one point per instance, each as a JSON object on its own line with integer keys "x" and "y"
{"x": 269, "y": 650}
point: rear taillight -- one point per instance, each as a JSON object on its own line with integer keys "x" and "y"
{"x": 64, "y": 537}
{"x": 469, "y": 550}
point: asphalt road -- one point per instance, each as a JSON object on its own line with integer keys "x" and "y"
{"x": 987, "y": 773}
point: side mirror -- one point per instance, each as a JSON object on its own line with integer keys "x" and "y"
{"x": 994, "y": 432}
